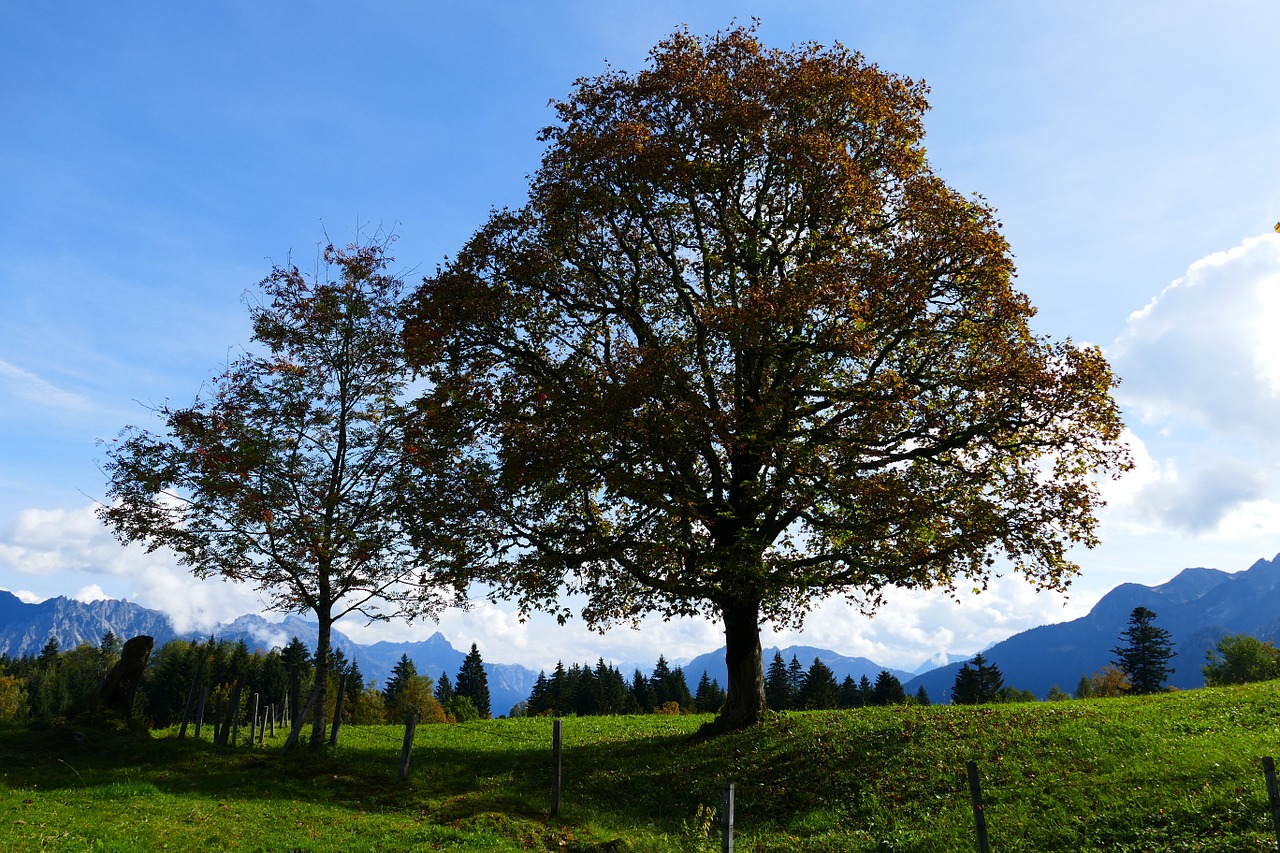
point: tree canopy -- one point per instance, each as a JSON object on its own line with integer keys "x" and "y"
{"x": 742, "y": 350}
{"x": 1240, "y": 659}
{"x": 287, "y": 471}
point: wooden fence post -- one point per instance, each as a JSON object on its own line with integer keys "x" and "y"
{"x": 555, "y": 768}
{"x": 979, "y": 816}
{"x": 410, "y": 725}
{"x": 253, "y": 721}
{"x": 726, "y": 820}
{"x": 1273, "y": 794}
{"x": 233, "y": 709}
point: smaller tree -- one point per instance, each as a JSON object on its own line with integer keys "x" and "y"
{"x": 888, "y": 690}
{"x": 977, "y": 684}
{"x": 1240, "y": 659}
{"x": 819, "y": 690}
{"x": 473, "y": 683}
{"x": 777, "y": 690}
{"x": 1109, "y": 682}
{"x": 444, "y": 689}
{"x": 402, "y": 675}
{"x": 1144, "y": 658}
{"x": 1084, "y": 687}
{"x": 922, "y": 696}
{"x": 710, "y": 695}
{"x": 850, "y": 695}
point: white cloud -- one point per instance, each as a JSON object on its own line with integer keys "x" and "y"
{"x": 914, "y": 625}
{"x": 73, "y": 545}
{"x": 1206, "y": 350}
{"x": 27, "y": 386}
{"x": 92, "y": 592}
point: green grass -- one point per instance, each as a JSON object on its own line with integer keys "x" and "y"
{"x": 1177, "y": 772}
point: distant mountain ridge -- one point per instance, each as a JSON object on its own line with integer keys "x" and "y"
{"x": 26, "y": 628}
{"x": 1198, "y": 607}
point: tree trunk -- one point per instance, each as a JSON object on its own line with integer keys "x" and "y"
{"x": 320, "y": 717}
{"x": 744, "y": 702}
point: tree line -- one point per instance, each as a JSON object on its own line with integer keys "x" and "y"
{"x": 43, "y": 687}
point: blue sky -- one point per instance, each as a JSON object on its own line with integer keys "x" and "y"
{"x": 157, "y": 159}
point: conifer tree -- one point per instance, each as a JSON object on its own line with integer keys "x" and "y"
{"x": 473, "y": 683}
{"x": 795, "y": 681}
{"x": 977, "y": 685}
{"x": 710, "y": 695}
{"x": 850, "y": 695}
{"x": 444, "y": 690}
{"x": 866, "y": 691}
{"x": 641, "y": 693}
{"x": 819, "y": 690}
{"x": 776, "y": 689}
{"x": 401, "y": 675}
{"x": 888, "y": 689}
{"x": 1144, "y": 658}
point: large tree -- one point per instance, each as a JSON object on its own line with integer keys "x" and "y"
{"x": 287, "y": 471}
{"x": 742, "y": 350}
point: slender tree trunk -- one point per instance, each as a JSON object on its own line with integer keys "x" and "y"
{"x": 295, "y": 730}
{"x": 744, "y": 702}
{"x": 320, "y": 717}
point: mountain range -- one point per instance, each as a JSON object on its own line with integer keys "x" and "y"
{"x": 1197, "y": 607}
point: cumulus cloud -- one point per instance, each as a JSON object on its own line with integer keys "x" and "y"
{"x": 92, "y": 592}
{"x": 914, "y": 626}
{"x": 1200, "y": 365}
{"x": 72, "y": 544}
{"x": 1206, "y": 350}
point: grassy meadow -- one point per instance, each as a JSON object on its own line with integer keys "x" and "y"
{"x": 1173, "y": 772}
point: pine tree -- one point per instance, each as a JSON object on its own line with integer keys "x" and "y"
{"x": 709, "y": 696}
{"x": 795, "y": 681}
{"x": 922, "y": 696}
{"x": 473, "y": 683}
{"x": 678, "y": 690}
{"x": 776, "y": 690}
{"x": 850, "y": 695}
{"x": 539, "y": 700}
{"x": 1145, "y": 657}
{"x": 977, "y": 685}
{"x": 110, "y": 647}
{"x": 444, "y": 690}
{"x": 866, "y": 692}
{"x": 888, "y": 689}
{"x": 297, "y": 664}
{"x": 401, "y": 675}
{"x": 819, "y": 690}
{"x": 641, "y": 693}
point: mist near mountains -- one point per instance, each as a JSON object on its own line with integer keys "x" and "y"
{"x": 1198, "y": 607}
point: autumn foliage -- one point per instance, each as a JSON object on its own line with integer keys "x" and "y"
{"x": 742, "y": 350}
